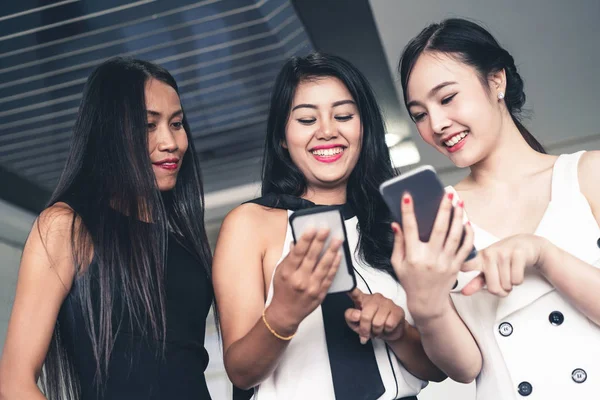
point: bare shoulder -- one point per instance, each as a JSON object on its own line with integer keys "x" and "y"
{"x": 55, "y": 225}
{"x": 589, "y": 165}
{"x": 59, "y": 217}
{"x": 50, "y": 242}
{"x": 252, "y": 219}
{"x": 253, "y": 233}
{"x": 589, "y": 171}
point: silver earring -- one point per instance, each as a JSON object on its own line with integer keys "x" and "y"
{"x": 500, "y": 95}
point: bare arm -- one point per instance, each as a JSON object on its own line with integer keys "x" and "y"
{"x": 450, "y": 345}
{"x": 251, "y": 351}
{"x": 411, "y": 352}
{"x": 45, "y": 277}
{"x": 427, "y": 272}
{"x": 504, "y": 263}
{"x": 578, "y": 281}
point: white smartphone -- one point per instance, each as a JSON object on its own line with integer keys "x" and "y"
{"x": 328, "y": 217}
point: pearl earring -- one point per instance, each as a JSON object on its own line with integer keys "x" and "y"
{"x": 500, "y": 95}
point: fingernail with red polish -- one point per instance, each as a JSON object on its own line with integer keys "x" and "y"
{"x": 395, "y": 228}
{"x": 450, "y": 196}
{"x": 461, "y": 203}
{"x": 406, "y": 200}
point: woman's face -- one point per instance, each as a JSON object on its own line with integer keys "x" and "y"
{"x": 167, "y": 139}
{"x": 324, "y": 132}
{"x": 452, "y": 110}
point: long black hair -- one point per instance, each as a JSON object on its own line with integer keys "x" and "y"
{"x": 281, "y": 176}
{"x": 108, "y": 168}
{"x": 474, "y": 46}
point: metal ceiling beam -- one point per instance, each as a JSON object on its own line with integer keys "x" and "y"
{"x": 21, "y": 192}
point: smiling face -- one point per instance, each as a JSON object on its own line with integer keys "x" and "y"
{"x": 324, "y": 132}
{"x": 167, "y": 138}
{"x": 453, "y": 111}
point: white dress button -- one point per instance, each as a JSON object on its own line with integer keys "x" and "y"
{"x": 505, "y": 329}
{"x": 579, "y": 375}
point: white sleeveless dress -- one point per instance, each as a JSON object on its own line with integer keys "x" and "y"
{"x": 534, "y": 343}
{"x": 304, "y": 373}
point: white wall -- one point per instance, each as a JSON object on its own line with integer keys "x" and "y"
{"x": 555, "y": 46}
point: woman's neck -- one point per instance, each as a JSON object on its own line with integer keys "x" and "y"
{"x": 326, "y": 196}
{"x": 510, "y": 161}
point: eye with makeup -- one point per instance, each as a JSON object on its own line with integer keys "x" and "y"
{"x": 418, "y": 117}
{"x": 312, "y": 120}
{"x": 448, "y": 99}
{"x": 177, "y": 125}
{"x": 306, "y": 120}
{"x": 344, "y": 118}
{"x": 151, "y": 125}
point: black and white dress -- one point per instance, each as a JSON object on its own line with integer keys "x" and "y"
{"x": 304, "y": 370}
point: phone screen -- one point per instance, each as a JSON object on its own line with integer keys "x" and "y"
{"x": 330, "y": 217}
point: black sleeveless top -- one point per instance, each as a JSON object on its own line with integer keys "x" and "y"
{"x": 138, "y": 367}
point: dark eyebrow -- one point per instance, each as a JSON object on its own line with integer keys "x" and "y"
{"x": 342, "y": 102}
{"x": 432, "y": 92}
{"x": 304, "y": 106}
{"x": 335, "y": 104}
{"x": 157, "y": 114}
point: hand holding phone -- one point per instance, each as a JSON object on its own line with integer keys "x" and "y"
{"x": 428, "y": 271}
{"x": 302, "y": 279}
{"x": 330, "y": 217}
{"x": 427, "y": 193}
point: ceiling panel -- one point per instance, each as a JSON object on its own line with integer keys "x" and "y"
{"x": 224, "y": 54}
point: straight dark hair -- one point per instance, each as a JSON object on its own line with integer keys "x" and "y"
{"x": 108, "y": 169}
{"x": 281, "y": 176}
{"x": 475, "y": 46}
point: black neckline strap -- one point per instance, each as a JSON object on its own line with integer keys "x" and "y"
{"x": 289, "y": 202}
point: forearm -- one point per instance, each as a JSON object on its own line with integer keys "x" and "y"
{"x": 449, "y": 345}
{"x": 577, "y": 280}
{"x": 251, "y": 359}
{"x": 409, "y": 351}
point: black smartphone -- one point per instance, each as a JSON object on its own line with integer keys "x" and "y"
{"x": 427, "y": 192}
{"x": 330, "y": 217}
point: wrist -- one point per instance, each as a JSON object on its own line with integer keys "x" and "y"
{"x": 402, "y": 336}
{"x": 427, "y": 315}
{"x": 280, "y": 321}
{"x": 430, "y": 322}
{"x": 547, "y": 253}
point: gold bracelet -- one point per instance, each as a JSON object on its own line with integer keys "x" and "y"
{"x": 277, "y": 335}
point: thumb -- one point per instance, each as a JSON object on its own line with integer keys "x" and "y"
{"x": 352, "y": 315}
{"x": 474, "y": 286}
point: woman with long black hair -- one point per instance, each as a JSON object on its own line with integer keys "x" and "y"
{"x": 282, "y": 335}
{"x": 114, "y": 285}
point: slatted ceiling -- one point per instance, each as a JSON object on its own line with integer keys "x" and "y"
{"x": 225, "y": 55}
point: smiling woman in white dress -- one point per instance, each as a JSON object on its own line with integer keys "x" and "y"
{"x": 281, "y": 335}
{"x": 527, "y": 326}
